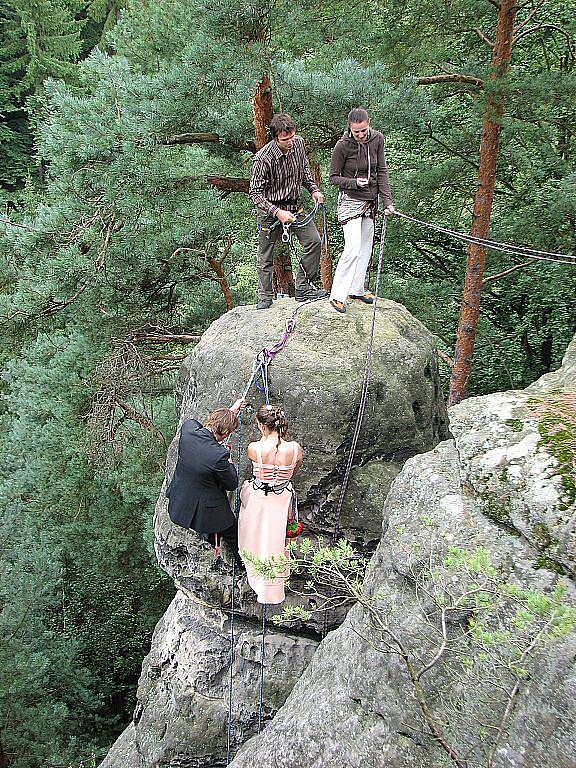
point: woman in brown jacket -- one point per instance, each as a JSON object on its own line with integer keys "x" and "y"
{"x": 358, "y": 169}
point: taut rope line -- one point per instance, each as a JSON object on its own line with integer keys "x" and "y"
{"x": 515, "y": 250}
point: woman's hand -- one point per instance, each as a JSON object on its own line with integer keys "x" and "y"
{"x": 361, "y": 181}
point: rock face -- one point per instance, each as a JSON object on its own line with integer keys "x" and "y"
{"x": 181, "y": 714}
{"x": 496, "y": 486}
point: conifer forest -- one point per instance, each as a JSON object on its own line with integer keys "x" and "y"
{"x": 127, "y": 133}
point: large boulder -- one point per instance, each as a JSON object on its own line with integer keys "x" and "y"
{"x": 497, "y": 487}
{"x": 181, "y": 714}
{"x": 317, "y": 377}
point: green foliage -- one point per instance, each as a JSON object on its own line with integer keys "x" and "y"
{"x": 39, "y": 40}
{"x": 94, "y": 598}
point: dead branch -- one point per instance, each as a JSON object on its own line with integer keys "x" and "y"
{"x": 497, "y": 276}
{"x": 228, "y": 184}
{"x": 206, "y": 138}
{"x": 451, "y": 78}
{"x": 164, "y": 338}
{"x": 530, "y": 16}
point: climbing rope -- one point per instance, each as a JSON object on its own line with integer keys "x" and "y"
{"x": 261, "y": 685}
{"x": 266, "y": 359}
{"x": 510, "y": 248}
{"x": 303, "y": 222}
{"x": 259, "y": 370}
{"x": 233, "y": 588}
{"x": 287, "y": 236}
{"x": 361, "y": 406}
{"x": 231, "y": 670}
{"x": 364, "y": 390}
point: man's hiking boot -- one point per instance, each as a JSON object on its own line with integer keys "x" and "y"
{"x": 311, "y": 294}
{"x": 264, "y": 304}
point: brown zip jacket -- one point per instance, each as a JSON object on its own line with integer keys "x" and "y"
{"x": 350, "y": 160}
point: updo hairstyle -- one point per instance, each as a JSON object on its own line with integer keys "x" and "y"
{"x": 273, "y": 417}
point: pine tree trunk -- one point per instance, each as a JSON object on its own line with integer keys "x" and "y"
{"x": 326, "y": 258}
{"x": 216, "y": 265}
{"x": 483, "y": 199}
{"x": 263, "y": 110}
{"x": 3, "y": 759}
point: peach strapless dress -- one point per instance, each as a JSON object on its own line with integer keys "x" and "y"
{"x": 262, "y": 523}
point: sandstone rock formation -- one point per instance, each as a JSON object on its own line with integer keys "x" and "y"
{"x": 498, "y": 486}
{"x": 180, "y": 718}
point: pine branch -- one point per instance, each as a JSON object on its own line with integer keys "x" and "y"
{"x": 482, "y": 36}
{"x": 445, "y": 358}
{"x": 449, "y": 149}
{"x": 553, "y": 27}
{"x": 52, "y": 307}
{"x": 139, "y": 418}
{"x": 530, "y": 16}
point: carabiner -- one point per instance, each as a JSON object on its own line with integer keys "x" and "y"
{"x": 285, "y": 233}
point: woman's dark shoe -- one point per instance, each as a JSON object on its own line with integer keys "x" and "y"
{"x": 366, "y": 298}
{"x": 339, "y": 306}
{"x": 264, "y": 304}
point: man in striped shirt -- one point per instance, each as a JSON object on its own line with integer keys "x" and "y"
{"x": 279, "y": 172}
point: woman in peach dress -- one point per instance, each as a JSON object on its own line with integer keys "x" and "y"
{"x": 266, "y": 500}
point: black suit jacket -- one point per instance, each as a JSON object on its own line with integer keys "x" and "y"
{"x": 197, "y": 492}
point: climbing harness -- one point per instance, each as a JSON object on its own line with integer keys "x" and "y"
{"x": 277, "y": 490}
{"x": 286, "y": 237}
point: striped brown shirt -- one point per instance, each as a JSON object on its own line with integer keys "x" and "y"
{"x": 278, "y": 177}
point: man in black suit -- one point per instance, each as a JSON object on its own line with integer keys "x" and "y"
{"x": 204, "y": 472}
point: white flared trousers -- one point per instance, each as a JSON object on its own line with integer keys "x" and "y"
{"x": 351, "y": 270}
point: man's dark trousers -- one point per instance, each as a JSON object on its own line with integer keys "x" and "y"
{"x": 308, "y": 238}
{"x": 230, "y": 536}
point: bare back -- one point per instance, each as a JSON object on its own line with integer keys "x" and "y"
{"x": 287, "y": 457}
